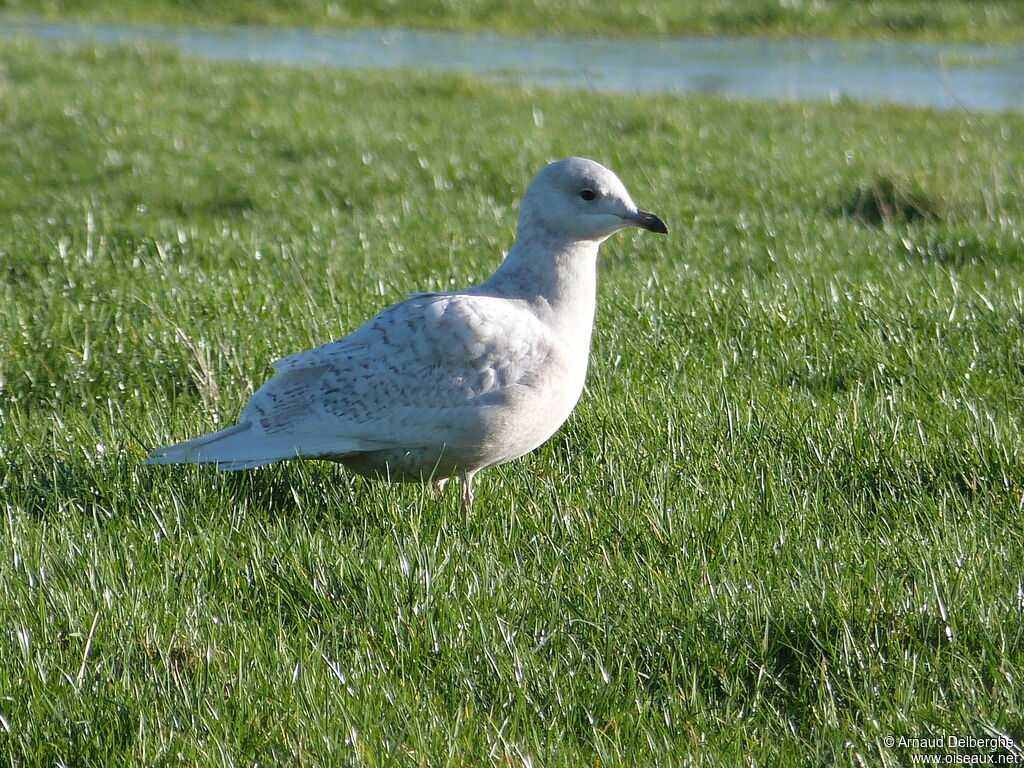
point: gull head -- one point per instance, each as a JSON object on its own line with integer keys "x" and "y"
{"x": 576, "y": 199}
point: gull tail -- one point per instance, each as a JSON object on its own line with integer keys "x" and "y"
{"x": 243, "y": 447}
{"x": 230, "y": 449}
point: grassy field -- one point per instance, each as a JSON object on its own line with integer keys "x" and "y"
{"x": 988, "y": 21}
{"x": 782, "y": 528}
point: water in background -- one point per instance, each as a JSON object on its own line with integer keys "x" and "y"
{"x": 943, "y": 75}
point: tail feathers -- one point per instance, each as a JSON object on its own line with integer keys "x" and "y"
{"x": 241, "y": 447}
{"x": 228, "y": 449}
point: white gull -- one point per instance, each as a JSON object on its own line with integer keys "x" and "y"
{"x": 447, "y": 384}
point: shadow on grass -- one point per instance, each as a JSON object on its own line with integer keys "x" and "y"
{"x": 114, "y": 486}
{"x": 42, "y": 487}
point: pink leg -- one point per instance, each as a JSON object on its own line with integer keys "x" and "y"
{"x": 439, "y": 485}
{"x": 467, "y": 493}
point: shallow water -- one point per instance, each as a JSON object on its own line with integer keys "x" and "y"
{"x": 947, "y": 76}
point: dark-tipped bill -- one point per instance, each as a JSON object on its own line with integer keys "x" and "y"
{"x": 649, "y": 221}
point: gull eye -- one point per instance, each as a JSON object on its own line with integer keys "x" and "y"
{"x": 588, "y": 194}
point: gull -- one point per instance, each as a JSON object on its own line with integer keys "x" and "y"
{"x": 444, "y": 385}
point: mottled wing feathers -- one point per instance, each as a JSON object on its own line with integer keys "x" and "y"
{"x": 412, "y": 375}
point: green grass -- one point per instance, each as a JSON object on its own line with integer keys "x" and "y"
{"x": 783, "y": 524}
{"x": 989, "y": 21}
